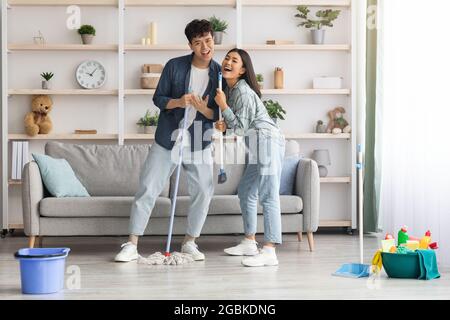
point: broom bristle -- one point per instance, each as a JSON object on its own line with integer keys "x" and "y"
{"x": 167, "y": 258}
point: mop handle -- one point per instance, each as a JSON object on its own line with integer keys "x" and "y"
{"x": 177, "y": 180}
{"x": 221, "y": 133}
{"x": 359, "y": 166}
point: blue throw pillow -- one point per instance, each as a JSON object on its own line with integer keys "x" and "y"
{"x": 59, "y": 178}
{"x": 288, "y": 175}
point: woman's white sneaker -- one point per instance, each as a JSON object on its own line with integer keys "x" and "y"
{"x": 247, "y": 247}
{"x": 266, "y": 257}
{"x": 127, "y": 253}
{"x": 191, "y": 248}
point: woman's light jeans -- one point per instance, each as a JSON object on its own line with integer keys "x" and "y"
{"x": 261, "y": 180}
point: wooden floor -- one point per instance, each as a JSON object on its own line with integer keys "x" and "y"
{"x": 300, "y": 275}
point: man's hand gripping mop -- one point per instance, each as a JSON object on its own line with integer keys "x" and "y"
{"x": 174, "y": 258}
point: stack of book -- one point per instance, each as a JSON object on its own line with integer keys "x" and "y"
{"x": 20, "y": 158}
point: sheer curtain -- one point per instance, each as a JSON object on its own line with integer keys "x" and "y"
{"x": 413, "y": 120}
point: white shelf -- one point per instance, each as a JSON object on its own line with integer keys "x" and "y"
{"x": 297, "y": 47}
{"x": 171, "y": 47}
{"x": 181, "y": 3}
{"x": 311, "y": 3}
{"x": 63, "y": 92}
{"x": 333, "y": 180}
{"x": 14, "y": 182}
{"x": 305, "y": 91}
{"x": 134, "y": 92}
{"x": 62, "y": 2}
{"x": 335, "y": 223}
{"x": 317, "y": 136}
{"x": 63, "y": 136}
{"x": 61, "y": 47}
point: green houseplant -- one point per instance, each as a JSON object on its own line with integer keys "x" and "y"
{"x": 325, "y": 18}
{"x": 46, "y": 82}
{"x": 218, "y": 26}
{"x": 275, "y": 110}
{"x": 260, "y": 80}
{"x": 87, "y": 33}
{"x": 149, "y": 121}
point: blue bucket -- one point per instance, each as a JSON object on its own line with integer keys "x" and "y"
{"x": 42, "y": 269}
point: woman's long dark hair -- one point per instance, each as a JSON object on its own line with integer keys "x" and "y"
{"x": 249, "y": 75}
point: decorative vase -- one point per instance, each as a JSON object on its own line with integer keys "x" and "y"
{"x": 149, "y": 129}
{"x": 261, "y": 85}
{"x": 218, "y": 35}
{"x": 321, "y": 128}
{"x": 87, "y": 38}
{"x": 318, "y": 36}
{"x": 323, "y": 171}
{"x": 46, "y": 85}
{"x": 278, "y": 78}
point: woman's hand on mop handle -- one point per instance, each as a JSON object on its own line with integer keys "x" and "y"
{"x": 221, "y": 99}
{"x": 221, "y": 126}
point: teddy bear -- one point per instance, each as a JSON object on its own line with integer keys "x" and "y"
{"x": 337, "y": 123}
{"x": 38, "y": 121}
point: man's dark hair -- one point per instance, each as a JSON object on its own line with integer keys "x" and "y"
{"x": 197, "y": 28}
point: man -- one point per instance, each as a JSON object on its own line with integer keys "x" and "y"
{"x": 186, "y": 82}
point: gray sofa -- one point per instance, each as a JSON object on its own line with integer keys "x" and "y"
{"x": 110, "y": 173}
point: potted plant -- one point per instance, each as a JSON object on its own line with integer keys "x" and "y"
{"x": 149, "y": 121}
{"x": 275, "y": 110}
{"x": 87, "y": 33}
{"x": 260, "y": 80}
{"x": 46, "y": 82}
{"x": 218, "y": 26}
{"x": 325, "y": 19}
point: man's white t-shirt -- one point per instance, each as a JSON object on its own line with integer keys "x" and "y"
{"x": 197, "y": 86}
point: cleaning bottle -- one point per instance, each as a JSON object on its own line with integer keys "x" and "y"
{"x": 403, "y": 235}
{"x": 425, "y": 241}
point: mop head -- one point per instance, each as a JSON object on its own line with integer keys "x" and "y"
{"x": 158, "y": 258}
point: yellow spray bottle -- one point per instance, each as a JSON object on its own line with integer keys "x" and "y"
{"x": 425, "y": 241}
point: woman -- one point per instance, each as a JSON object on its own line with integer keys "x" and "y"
{"x": 245, "y": 113}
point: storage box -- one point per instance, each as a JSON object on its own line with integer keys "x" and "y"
{"x": 327, "y": 83}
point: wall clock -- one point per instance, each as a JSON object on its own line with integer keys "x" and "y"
{"x": 91, "y": 74}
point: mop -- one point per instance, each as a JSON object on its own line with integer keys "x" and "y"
{"x": 175, "y": 258}
{"x": 222, "y": 177}
{"x": 357, "y": 270}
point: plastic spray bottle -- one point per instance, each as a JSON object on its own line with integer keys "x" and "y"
{"x": 425, "y": 241}
{"x": 403, "y": 235}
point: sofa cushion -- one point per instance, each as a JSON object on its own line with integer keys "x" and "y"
{"x": 229, "y": 204}
{"x": 104, "y": 170}
{"x": 59, "y": 178}
{"x": 97, "y": 207}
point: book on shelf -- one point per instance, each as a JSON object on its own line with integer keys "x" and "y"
{"x": 25, "y": 156}
{"x": 19, "y": 160}
{"x": 85, "y": 131}
{"x": 279, "y": 42}
{"x": 15, "y": 145}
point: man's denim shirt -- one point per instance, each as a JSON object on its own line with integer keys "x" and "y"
{"x": 173, "y": 84}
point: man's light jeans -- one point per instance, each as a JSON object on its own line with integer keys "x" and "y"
{"x": 156, "y": 171}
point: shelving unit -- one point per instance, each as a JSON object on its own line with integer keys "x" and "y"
{"x": 120, "y": 48}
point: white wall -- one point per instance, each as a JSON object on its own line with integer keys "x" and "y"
{"x": 100, "y": 113}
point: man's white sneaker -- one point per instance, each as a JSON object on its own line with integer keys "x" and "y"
{"x": 266, "y": 257}
{"x": 127, "y": 253}
{"x": 191, "y": 248}
{"x": 247, "y": 247}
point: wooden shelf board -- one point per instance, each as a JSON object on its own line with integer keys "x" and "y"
{"x": 305, "y": 91}
{"x": 14, "y": 182}
{"x": 312, "y": 3}
{"x": 132, "y": 92}
{"x": 63, "y": 2}
{"x": 336, "y": 180}
{"x": 182, "y": 3}
{"x": 139, "y": 136}
{"x": 298, "y": 47}
{"x": 61, "y": 47}
{"x": 62, "y": 92}
{"x": 335, "y": 223}
{"x": 63, "y": 136}
{"x": 171, "y": 47}
{"x": 317, "y": 136}
{"x": 15, "y": 226}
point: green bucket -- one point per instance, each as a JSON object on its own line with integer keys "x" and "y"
{"x": 405, "y": 266}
